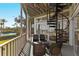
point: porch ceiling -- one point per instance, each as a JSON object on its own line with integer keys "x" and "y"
{"x": 39, "y": 9}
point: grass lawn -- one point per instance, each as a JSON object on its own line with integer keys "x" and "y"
{"x": 2, "y": 41}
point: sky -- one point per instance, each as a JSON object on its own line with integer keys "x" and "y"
{"x": 9, "y": 11}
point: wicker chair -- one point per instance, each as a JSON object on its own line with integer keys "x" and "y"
{"x": 55, "y": 50}
{"x": 35, "y": 38}
{"x": 38, "y": 49}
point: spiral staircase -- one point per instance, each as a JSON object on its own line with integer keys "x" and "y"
{"x": 62, "y": 33}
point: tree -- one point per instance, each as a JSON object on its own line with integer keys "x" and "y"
{"x": 21, "y": 22}
{"x": 3, "y": 22}
{"x": 17, "y": 20}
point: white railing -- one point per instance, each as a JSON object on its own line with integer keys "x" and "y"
{"x": 13, "y": 46}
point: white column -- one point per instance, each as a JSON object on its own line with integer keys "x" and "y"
{"x": 75, "y": 42}
{"x": 72, "y": 28}
{"x": 35, "y": 26}
{"x": 21, "y": 19}
{"x": 72, "y": 40}
{"x": 71, "y": 33}
{"x": 27, "y": 27}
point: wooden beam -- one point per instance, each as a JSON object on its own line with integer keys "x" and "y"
{"x": 33, "y": 12}
{"x": 46, "y": 5}
{"x": 34, "y": 8}
{"x": 43, "y": 7}
{"x": 26, "y": 8}
{"x": 37, "y": 8}
{"x": 40, "y": 7}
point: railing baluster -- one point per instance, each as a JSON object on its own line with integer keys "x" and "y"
{"x": 21, "y": 42}
{"x": 16, "y": 47}
{"x": 19, "y": 47}
{"x": 1, "y": 51}
{"x": 13, "y": 47}
{"x": 10, "y": 48}
{"x": 6, "y": 50}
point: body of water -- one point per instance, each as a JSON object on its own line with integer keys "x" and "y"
{"x": 7, "y": 34}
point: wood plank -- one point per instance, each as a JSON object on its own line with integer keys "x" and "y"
{"x": 32, "y": 12}
{"x": 41, "y": 8}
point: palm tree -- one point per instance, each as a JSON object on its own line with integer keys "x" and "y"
{"x": 1, "y": 24}
{"x": 21, "y": 22}
{"x": 15, "y": 24}
{"x": 3, "y": 20}
{"x": 17, "y": 20}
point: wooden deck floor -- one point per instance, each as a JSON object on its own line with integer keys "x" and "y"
{"x": 66, "y": 50}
